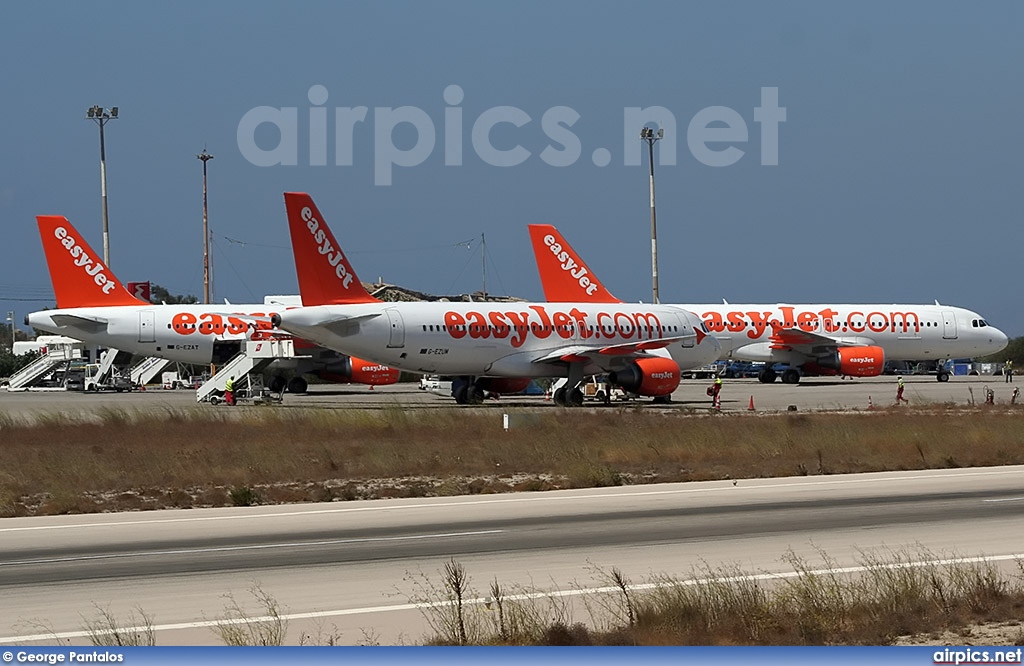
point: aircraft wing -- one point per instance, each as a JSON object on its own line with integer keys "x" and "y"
{"x": 595, "y": 353}
{"x": 80, "y": 323}
{"x": 799, "y": 340}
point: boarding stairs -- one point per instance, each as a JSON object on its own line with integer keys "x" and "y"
{"x": 106, "y": 365}
{"x": 146, "y": 370}
{"x": 254, "y": 357}
{"x": 54, "y": 358}
{"x": 110, "y": 361}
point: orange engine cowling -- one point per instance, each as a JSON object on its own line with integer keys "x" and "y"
{"x": 648, "y": 376}
{"x": 358, "y": 371}
{"x": 503, "y": 385}
{"x": 860, "y": 361}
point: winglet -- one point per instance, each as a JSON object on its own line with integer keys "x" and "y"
{"x": 325, "y": 275}
{"x": 565, "y": 277}
{"x": 79, "y": 277}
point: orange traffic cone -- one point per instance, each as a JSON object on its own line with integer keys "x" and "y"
{"x": 870, "y": 406}
{"x": 750, "y": 408}
{"x": 142, "y": 387}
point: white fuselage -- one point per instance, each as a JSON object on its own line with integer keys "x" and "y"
{"x": 501, "y": 339}
{"x": 905, "y": 332}
{"x": 183, "y": 333}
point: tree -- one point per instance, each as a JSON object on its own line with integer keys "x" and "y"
{"x": 158, "y": 294}
{"x": 10, "y": 364}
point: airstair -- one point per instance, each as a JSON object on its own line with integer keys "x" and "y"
{"x": 254, "y": 357}
{"x": 106, "y": 365}
{"x": 54, "y": 358}
{"x": 146, "y": 370}
{"x": 110, "y": 374}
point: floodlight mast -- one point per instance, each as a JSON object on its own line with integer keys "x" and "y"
{"x": 647, "y": 134}
{"x": 101, "y": 117}
{"x": 10, "y": 322}
{"x": 205, "y": 157}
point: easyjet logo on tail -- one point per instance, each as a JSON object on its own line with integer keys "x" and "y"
{"x": 567, "y": 279}
{"x": 569, "y": 265}
{"x": 334, "y": 256}
{"x": 79, "y": 278}
{"x": 325, "y": 274}
{"x": 92, "y": 267}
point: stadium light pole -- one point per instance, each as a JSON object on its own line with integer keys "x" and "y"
{"x": 101, "y": 117}
{"x": 205, "y": 157}
{"x": 647, "y": 134}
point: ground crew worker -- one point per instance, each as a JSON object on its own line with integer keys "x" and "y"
{"x": 229, "y": 391}
{"x": 1008, "y": 371}
{"x": 899, "y": 391}
{"x": 716, "y": 389}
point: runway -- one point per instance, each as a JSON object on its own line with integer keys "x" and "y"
{"x": 354, "y": 566}
{"x": 815, "y": 394}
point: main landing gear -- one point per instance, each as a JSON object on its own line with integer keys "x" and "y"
{"x": 466, "y": 392}
{"x": 566, "y": 397}
{"x": 789, "y": 376}
{"x": 571, "y": 395}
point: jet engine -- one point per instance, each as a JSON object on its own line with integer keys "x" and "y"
{"x": 358, "y": 371}
{"x": 856, "y": 361}
{"x": 648, "y": 376}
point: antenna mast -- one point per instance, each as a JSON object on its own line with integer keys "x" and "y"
{"x": 483, "y": 262}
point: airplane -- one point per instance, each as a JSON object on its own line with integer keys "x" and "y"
{"x": 488, "y": 347}
{"x": 95, "y": 307}
{"x": 812, "y": 339}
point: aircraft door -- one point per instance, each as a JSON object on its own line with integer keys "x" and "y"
{"x": 948, "y": 325}
{"x": 147, "y": 326}
{"x": 397, "y": 338}
{"x": 685, "y": 324}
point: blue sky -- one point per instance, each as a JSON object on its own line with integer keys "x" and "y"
{"x": 899, "y": 161}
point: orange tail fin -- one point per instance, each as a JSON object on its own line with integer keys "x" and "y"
{"x": 566, "y": 278}
{"x": 79, "y": 277}
{"x": 325, "y": 275}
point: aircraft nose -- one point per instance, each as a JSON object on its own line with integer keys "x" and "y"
{"x": 999, "y": 339}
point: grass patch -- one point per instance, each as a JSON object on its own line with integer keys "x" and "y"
{"x": 884, "y": 597}
{"x": 124, "y": 460}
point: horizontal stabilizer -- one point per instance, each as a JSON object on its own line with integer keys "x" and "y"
{"x": 89, "y": 325}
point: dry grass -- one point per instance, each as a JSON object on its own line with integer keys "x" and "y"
{"x": 888, "y": 596}
{"x": 130, "y": 461}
